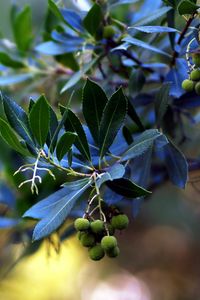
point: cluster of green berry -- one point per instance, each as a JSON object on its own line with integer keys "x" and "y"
{"x": 108, "y": 32}
{"x": 193, "y": 83}
{"x": 98, "y": 237}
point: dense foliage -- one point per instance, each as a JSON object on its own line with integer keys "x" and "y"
{"x": 134, "y": 65}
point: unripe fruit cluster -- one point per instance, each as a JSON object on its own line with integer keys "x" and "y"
{"x": 98, "y": 236}
{"x": 108, "y": 32}
{"x": 193, "y": 82}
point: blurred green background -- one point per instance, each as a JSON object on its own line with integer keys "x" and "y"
{"x": 160, "y": 252}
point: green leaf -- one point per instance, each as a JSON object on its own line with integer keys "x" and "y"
{"x": 17, "y": 119}
{"x": 22, "y": 29}
{"x": 172, "y": 3}
{"x": 134, "y": 116}
{"x": 7, "y": 61}
{"x": 112, "y": 119}
{"x": 187, "y": 7}
{"x": 55, "y": 127}
{"x": 69, "y": 157}
{"x": 56, "y": 11}
{"x": 136, "y": 81}
{"x": 141, "y": 144}
{"x": 73, "y": 124}
{"x": 39, "y": 119}
{"x": 64, "y": 144}
{"x": 127, "y": 135}
{"x": 78, "y": 75}
{"x": 54, "y": 210}
{"x": 10, "y": 138}
{"x": 127, "y": 188}
{"x": 94, "y": 101}
{"x": 93, "y": 19}
{"x": 30, "y": 106}
{"x": 52, "y": 135}
{"x": 161, "y": 102}
{"x": 68, "y": 60}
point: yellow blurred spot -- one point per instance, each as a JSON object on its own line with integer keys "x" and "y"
{"x": 39, "y": 277}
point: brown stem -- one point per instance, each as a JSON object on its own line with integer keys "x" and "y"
{"x": 181, "y": 37}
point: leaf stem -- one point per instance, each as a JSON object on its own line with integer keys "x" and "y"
{"x": 102, "y": 215}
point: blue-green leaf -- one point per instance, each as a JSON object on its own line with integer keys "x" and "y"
{"x": 54, "y": 210}
{"x": 114, "y": 3}
{"x": 141, "y": 144}
{"x": 139, "y": 43}
{"x": 114, "y": 172}
{"x": 94, "y": 101}
{"x": 176, "y": 165}
{"x": 64, "y": 144}
{"x": 14, "y": 79}
{"x": 44, "y": 207}
{"x": 153, "y": 29}
{"x": 39, "y": 119}
{"x": 112, "y": 119}
{"x": 72, "y": 19}
{"x": 141, "y": 168}
{"x": 8, "y": 222}
{"x": 69, "y": 17}
{"x": 53, "y": 48}
{"x": 155, "y": 15}
{"x": 78, "y": 75}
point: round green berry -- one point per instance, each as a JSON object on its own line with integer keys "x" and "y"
{"x": 96, "y": 252}
{"x": 87, "y": 239}
{"x": 108, "y": 242}
{"x": 196, "y": 59}
{"x": 188, "y": 85}
{"x": 113, "y": 252}
{"x": 81, "y": 224}
{"x": 108, "y": 31}
{"x": 120, "y": 222}
{"x": 79, "y": 234}
{"x": 195, "y": 75}
{"x": 197, "y": 88}
{"x": 97, "y": 226}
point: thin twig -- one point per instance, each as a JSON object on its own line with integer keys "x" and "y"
{"x": 181, "y": 37}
